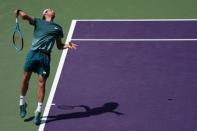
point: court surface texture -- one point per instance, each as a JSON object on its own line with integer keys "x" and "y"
{"x": 126, "y": 75}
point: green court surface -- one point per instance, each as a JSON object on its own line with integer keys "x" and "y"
{"x": 12, "y": 62}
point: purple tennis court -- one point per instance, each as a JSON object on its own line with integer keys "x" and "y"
{"x": 128, "y": 76}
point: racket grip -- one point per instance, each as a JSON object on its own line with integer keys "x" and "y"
{"x": 17, "y": 12}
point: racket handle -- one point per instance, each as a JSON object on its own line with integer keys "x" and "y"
{"x": 17, "y": 12}
{"x": 16, "y": 19}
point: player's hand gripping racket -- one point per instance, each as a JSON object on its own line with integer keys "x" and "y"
{"x": 17, "y": 36}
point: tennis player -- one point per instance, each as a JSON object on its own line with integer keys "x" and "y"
{"x": 46, "y": 33}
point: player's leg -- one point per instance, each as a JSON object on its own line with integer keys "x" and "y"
{"x": 24, "y": 88}
{"x": 25, "y": 83}
{"x": 41, "y": 93}
{"x": 41, "y": 88}
{"x": 43, "y": 71}
{"x": 28, "y": 68}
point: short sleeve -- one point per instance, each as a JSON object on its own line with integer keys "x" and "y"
{"x": 35, "y": 21}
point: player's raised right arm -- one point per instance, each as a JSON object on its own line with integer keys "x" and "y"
{"x": 24, "y": 16}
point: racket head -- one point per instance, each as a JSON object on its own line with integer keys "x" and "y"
{"x": 17, "y": 40}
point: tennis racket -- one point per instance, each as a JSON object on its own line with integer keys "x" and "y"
{"x": 17, "y": 37}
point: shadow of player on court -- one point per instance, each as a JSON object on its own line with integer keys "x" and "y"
{"x": 106, "y": 108}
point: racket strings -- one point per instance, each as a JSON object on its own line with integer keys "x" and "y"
{"x": 18, "y": 41}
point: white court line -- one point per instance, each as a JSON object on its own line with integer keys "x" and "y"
{"x": 134, "y": 40}
{"x": 137, "y": 20}
{"x": 53, "y": 104}
{"x": 57, "y": 76}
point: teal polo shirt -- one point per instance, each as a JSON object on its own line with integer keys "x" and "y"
{"x": 44, "y": 35}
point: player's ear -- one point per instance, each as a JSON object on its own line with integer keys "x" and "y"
{"x": 53, "y": 17}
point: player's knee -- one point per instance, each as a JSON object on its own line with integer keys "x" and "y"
{"x": 26, "y": 77}
{"x": 41, "y": 82}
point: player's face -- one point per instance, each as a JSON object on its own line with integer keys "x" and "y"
{"x": 49, "y": 12}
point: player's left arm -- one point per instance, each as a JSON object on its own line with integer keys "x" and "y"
{"x": 61, "y": 45}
